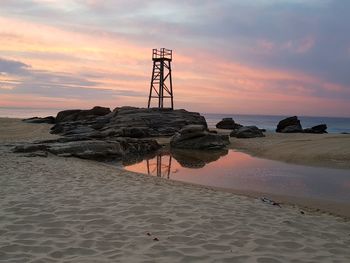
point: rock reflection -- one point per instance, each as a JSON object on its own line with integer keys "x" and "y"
{"x": 197, "y": 159}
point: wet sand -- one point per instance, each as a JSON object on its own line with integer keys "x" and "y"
{"x": 70, "y": 210}
{"x": 326, "y": 150}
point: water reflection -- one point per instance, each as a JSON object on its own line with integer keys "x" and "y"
{"x": 160, "y": 163}
{"x": 197, "y": 159}
{"x": 239, "y": 171}
{"x": 159, "y": 166}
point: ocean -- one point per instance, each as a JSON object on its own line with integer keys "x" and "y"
{"x": 268, "y": 122}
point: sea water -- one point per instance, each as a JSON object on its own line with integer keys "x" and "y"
{"x": 269, "y": 122}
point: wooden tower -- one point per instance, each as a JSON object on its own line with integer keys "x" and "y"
{"x": 161, "y": 82}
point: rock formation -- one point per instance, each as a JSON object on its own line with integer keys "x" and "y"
{"x": 318, "y": 129}
{"x": 119, "y": 148}
{"x": 247, "y": 132}
{"x": 101, "y": 134}
{"x": 228, "y": 123}
{"x": 49, "y": 120}
{"x": 198, "y": 137}
{"x": 129, "y": 122}
{"x": 289, "y": 125}
{"x": 77, "y": 115}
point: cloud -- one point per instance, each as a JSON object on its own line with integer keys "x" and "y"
{"x": 13, "y": 67}
{"x": 22, "y": 79}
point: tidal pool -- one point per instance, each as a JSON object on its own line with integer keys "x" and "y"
{"x": 239, "y": 171}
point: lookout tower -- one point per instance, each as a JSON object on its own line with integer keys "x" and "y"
{"x": 161, "y": 82}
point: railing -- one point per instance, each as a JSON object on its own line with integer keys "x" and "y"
{"x": 162, "y": 53}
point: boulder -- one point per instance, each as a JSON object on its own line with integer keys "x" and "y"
{"x": 318, "y": 129}
{"x": 66, "y": 115}
{"x": 197, "y": 137}
{"x": 49, "y": 120}
{"x": 161, "y": 122}
{"x": 91, "y": 149}
{"x": 289, "y": 125}
{"x": 228, "y": 123}
{"x": 247, "y": 132}
{"x": 76, "y": 115}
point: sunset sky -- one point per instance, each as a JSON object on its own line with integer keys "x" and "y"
{"x": 280, "y": 57}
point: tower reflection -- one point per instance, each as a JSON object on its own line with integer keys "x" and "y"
{"x": 160, "y": 166}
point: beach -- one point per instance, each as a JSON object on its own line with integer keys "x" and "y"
{"x": 55, "y": 209}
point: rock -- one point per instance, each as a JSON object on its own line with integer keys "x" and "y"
{"x": 228, "y": 123}
{"x": 189, "y": 129}
{"x": 160, "y": 122}
{"x": 319, "y": 129}
{"x": 289, "y": 125}
{"x": 67, "y": 115}
{"x": 197, "y": 137}
{"x": 91, "y": 149}
{"x": 132, "y": 122}
{"x": 101, "y": 134}
{"x": 30, "y": 147}
{"x": 292, "y": 129}
{"x": 135, "y": 132}
{"x": 76, "y": 115}
{"x": 247, "y": 132}
{"x": 49, "y": 120}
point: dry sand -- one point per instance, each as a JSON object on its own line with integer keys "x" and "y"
{"x": 69, "y": 210}
{"x": 15, "y": 130}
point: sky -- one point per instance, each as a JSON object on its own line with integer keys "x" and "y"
{"x": 277, "y": 57}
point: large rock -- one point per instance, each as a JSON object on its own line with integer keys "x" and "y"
{"x": 247, "y": 132}
{"x": 197, "y": 137}
{"x": 132, "y": 122}
{"x": 161, "y": 122}
{"x": 49, "y": 120}
{"x": 318, "y": 129}
{"x": 289, "y": 125}
{"x": 76, "y": 115}
{"x": 92, "y": 149}
{"x": 228, "y": 123}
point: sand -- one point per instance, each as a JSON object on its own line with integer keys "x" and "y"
{"x": 70, "y": 210}
{"x": 15, "y": 130}
{"x": 328, "y": 150}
